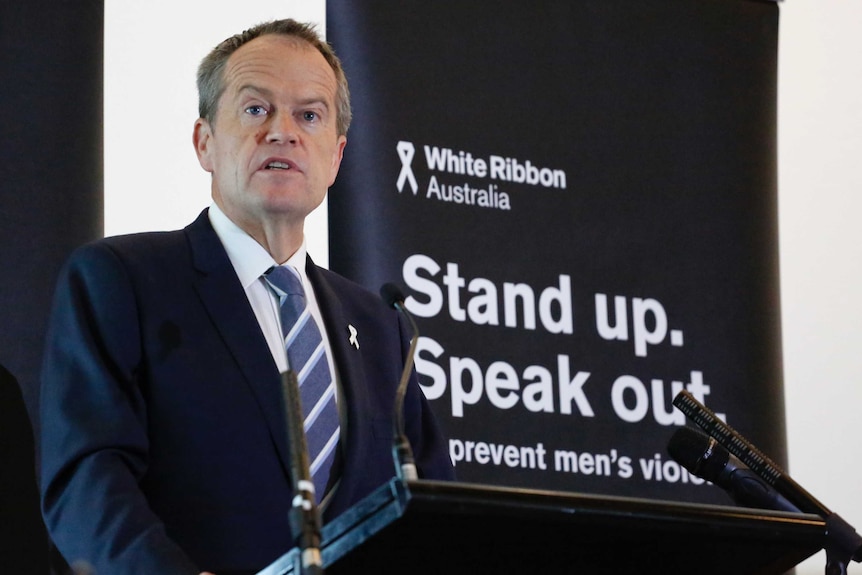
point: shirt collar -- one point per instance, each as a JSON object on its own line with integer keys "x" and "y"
{"x": 249, "y": 259}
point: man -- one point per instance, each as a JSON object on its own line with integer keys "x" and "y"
{"x": 163, "y": 446}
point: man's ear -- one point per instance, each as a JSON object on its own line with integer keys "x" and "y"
{"x": 202, "y": 139}
{"x": 336, "y": 159}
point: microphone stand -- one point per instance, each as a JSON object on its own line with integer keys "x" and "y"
{"x": 304, "y": 514}
{"x": 843, "y": 543}
{"x": 402, "y": 453}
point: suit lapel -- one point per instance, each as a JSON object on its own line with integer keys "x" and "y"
{"x": 227, "y": 305}
{"x": 351, "y": 372}
{"x": 336, "y": 318}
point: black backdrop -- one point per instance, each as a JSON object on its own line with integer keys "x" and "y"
{"x": 660, "y": 113}
{"x": 50, "y": 202}
{"x": 591, "y": 154}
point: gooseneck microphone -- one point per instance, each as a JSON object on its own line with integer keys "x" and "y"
{"x": 704, "y": 457}
{"x": 748, "y": 454}
{"x": 842, "y": 541}
{"x": 304, "y": 517}
{"x": 405, "y": 465}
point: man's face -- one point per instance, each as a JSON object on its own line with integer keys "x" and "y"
{"x": 273, "y": 150}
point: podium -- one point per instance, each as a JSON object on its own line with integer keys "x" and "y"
{"x": 425, "y": 527}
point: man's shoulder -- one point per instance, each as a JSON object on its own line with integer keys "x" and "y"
{"x": 341, "y": 284}
{"x": 336, "y": 280}
{"x": 141, "y": 248}
{"x": 138, "y": 248}
{"x": 144, "y": 241}
{"x": 348, "y": 291}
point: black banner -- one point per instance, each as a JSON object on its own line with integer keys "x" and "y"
{"x": 50, "y": 202}
{"x": 580, "y": 199}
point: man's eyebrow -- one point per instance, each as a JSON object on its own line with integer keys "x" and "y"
{"x": 313, "y": 101}
{"x": 267, "y": 93}
{"x": 253, "y": 88}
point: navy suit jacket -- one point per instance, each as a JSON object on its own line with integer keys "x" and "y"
{"x": 163, "y": 432}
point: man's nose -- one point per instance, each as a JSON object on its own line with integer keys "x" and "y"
{"x": 282, "y": 129}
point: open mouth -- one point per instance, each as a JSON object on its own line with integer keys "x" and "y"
{"x": 277, "y": 166}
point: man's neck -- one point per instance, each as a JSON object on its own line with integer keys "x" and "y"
{"x": 280, "y": 240}
{"x": 281, "y": 237}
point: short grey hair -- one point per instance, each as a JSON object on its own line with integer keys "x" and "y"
{"x": 211, "y": 70}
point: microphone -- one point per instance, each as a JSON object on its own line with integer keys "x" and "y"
{"x": 843, "y": 543}
{"x": 304, "y": 516}
{"x": 402, "y": 453}
{"x": 705, "y": 458}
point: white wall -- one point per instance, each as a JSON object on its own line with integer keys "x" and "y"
{"x": 820, "y": 206}
{"x": 152, "y": 50}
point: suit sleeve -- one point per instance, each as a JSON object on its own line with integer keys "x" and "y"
{"x": 94, "y": 445}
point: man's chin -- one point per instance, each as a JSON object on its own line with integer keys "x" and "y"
{"x": 289, "y": 208}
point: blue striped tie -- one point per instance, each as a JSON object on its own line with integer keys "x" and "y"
{"x": 306, "y": 356}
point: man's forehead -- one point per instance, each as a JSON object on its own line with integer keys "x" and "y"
{"x": 274, "y": 48}
{"x": 266, "y": 54}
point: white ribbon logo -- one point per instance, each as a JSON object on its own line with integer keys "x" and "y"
{"x": 353, "y": 339}
{"x": 406, "y": 151}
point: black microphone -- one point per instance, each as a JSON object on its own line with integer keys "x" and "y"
{"x": 843, "y": 542}
{"x": 704, "y": 457}
{"x": 405, "y": 465}
{"x": 304, "y": 517}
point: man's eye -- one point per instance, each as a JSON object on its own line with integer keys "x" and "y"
{"x": 256, "y": 110}
{"x": 309, "y": 116}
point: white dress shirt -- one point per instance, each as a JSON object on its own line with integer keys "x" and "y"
{"x": 250, "y": 260}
